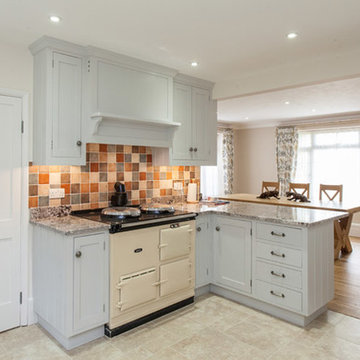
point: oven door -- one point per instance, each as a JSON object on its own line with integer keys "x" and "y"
{"x": 137, "y": 288}
{"x": 175, "y": 241}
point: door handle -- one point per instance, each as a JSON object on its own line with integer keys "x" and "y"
{"x": 217, "y": 228}
{"x": 78, "y": 254}
{"x": 79, "y": 143}
{"x": 198, "y": 229}
{"x": 159, "y": 282}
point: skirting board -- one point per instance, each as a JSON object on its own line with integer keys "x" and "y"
{"x": 355, "y": 230}
{"x": 275, "y": 311}
{"x": 74, "y": 341}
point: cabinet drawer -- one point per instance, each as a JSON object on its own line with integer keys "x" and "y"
{"x": 282, "y": 234}
{"x": 175, "y": 242}
{"x": 278, "y": 295}
{"x": 137, "y": 288}
{"x": 279, "y": 275}
{"x": 279, "y": 254}
{"x": 175, "y": 276}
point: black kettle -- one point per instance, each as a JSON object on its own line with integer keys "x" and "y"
{"x": 120, "y": 197}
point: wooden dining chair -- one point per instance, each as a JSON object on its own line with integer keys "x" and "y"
{"x": 270, "y": 186}
{"x": 305, "y": 188}
{"x": 338, "y": 191}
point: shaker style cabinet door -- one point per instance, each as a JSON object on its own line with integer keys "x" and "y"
{"x": 66, "y": 108}
{"x": 232, "y": 254}
{"x": 182, "y": 114}
{"x": 200, "y": 99}
{"x": 90, "y": 284}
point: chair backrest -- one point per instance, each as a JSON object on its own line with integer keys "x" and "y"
{"x": 338, "y": 190}
{"x": 270, "y": 186}
{"x": 305, "y": 188}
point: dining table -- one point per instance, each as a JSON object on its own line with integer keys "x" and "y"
{"x": 342, "y": 226}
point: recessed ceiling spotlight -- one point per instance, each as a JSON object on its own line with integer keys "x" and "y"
{"x": 55, "y": 19}
{"x": 287, "y": 102}
{"x": 292, "y": 35}
{"x": 313, "y": 110}
{"x": 246, "y": 118}
{"x": 194, "y": 64}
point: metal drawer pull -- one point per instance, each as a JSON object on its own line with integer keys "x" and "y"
{"x": 277, "y": 254}
{"x": 273, "y": 233}
{"x": 276, "y": 294}
{"x": 277, "y": 274}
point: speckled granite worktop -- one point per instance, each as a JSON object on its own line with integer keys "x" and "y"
{"x": 277, "y": 214}
{"x": 72, "y": 225}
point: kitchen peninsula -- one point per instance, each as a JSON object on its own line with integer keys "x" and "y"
{"x": 276, "y": 259}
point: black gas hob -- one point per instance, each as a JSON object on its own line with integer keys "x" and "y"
{"x": 131, "y": 223}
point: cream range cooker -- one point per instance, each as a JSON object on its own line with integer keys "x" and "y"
{"x": 152, "y": 262}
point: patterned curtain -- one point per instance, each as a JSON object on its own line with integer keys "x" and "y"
{"x": 228, "y": 158}
{"x": 286, "y": 152}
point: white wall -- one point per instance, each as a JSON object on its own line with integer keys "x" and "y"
{"x": 16, "y": 73}
{"x": 254, "y": 159}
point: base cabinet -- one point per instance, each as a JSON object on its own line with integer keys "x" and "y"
{"x": 71, "y": 291}
{"x": 232, "y": 254}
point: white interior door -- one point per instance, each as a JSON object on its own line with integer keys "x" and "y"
{"x": 10, "y": 194}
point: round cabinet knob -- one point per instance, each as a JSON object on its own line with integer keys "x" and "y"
{"x": 217, "y": 228}
{"x": 191, "y": 149}
{"x": 78, "y": 254}
{"x": 198, "y": 229}
{"x": 79, "y": 143}
{"x": 195, "y": 149}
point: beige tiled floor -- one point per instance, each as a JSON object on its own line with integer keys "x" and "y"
{"x": 212, "y": 328}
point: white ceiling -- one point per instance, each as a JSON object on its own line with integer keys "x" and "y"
{"x": 267, "y": 109}
{"x": 227, "y": 37}
{"x": 231, "y": 40}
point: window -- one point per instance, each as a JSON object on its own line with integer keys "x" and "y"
{"x": 330, "y": 157}
{"x": 212, "y": 177}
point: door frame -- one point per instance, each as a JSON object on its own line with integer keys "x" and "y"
{"x": 24, "y": 216}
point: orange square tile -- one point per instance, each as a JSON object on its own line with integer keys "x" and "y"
{"x": 119, "y": 157}
{"x": 33, "y": 201}
{"x": 84, "y": 188}
{"x": 142, "y": 194}
{"x": 43, "y": 178}
{"x": 94, "y": 205}
{"x": 111, "y": 167}
{"x": 84, "y": 177}
{"x": 110, "y": 187}
{"x": 75, "y": 178}
{"x": 162, "y": 192}
{"x": 149, "y": 158}
{"x": 142, "y": 149}
{"x": 142, "y": 176}
{"x": 92, "y": 147}
{"x": 66, "y": 187}
{"x": 168, "y": 176}
{"x": 103, "y": 157}
{"x": 94, "y": 187}
{"x": 94, "y": 197}
{"x": 94, "y": 167}
{"x": 156, "y": 184}
{"x": 156, "y": 176}
{"x": 128, "y": 185}
{"x": 128, "y": 166}
{"x": 103, "y": 148}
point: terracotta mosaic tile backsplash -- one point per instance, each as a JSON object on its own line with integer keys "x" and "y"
{"x": 91, "y": 186}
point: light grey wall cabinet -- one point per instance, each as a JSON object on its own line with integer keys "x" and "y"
{"x": 194, "y": 141}
{"x": 58, "y": 103}
{"x": 71, "y": 290}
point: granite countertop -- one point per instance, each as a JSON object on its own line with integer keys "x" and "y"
{"x": 277, "y": 214}
{"x": 70, "y": 225}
